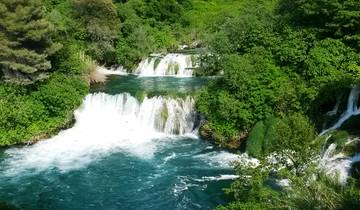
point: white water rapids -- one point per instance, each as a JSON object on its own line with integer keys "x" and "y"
{"x": 338, "y": 164}
{"x": 172, "y": 64}
{"x": 106, "y": 124}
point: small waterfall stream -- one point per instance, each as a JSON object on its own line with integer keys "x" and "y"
{"x": 351, "y": 110}
{"x": 172, "y": 64}
{"x": 338, "y": 164}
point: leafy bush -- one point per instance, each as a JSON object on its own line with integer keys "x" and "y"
{"x": 254, "y": 143}
{"x": 27, "y": 115}
{"x": 251, "y": 89}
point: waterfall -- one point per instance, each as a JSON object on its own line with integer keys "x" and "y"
{"x": 352, "y": 109}
{"x": 337, "y": 164}
{"x": 106, "y": 124}
{"x": 157, "y": 114}
{"x": 172, "y": 64}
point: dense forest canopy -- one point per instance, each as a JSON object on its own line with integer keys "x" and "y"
{"x": 280, "y": 66}
{"x": 274, "y": 65}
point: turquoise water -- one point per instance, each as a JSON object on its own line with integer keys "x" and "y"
{"x": 170, "y": 172}
{"x": 134, "y": 84}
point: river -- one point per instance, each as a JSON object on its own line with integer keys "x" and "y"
{"x": 122, "y": 153}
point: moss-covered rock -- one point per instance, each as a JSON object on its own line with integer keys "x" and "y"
{"x": 140, "y": 96}
{"x": 208, "y": 133}
{"x": 173, "y": 68}
{"x": 339, "y": 138}
{"x": 156, "y": 62}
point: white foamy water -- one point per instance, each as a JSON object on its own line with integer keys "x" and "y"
{"x": 111, "y": 71}
{"x": 352, "y": 109}
{"x": 172, "y": 64}
{"x": 107, "y": 124}
{"x": 218, "y": 178}
{"x": 337, "y": 164}
{"x": 225, "y": 159}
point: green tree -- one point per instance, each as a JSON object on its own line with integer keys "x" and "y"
{"x": 331, "y": 60}
{"x": 25, "y": 42}
{"x": 251, "y": 89}
{"x": 336, "y": 19}
{"x": 295, "y": 140}
{"x": 252, "y": 28}
{"x": 98, "y": 20}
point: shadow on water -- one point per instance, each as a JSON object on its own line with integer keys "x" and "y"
{"x": 6, "y": 206}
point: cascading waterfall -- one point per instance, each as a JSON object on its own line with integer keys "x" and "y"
{"x": 157, "y": 114}
{"x": 172, "y": 64}
{"x": 105, "y": 124}
{"x": 352, "y": 109}
{"x": 337, "y": 164}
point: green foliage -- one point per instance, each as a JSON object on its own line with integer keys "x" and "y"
{"x": 262, "y": 138}
{"x": 28, "y": 115}
{"x": 166, "y": 10}
{"x": 68, "y": 60}
{"x": 61, "y": 94}
{"x": 270, "y": 137}
{"x": 329, "y": 61}
{"x": 257, "y": 188}
{"x": 255, "y": 141}
{"x": 336, "y": 19}
{"x": 130, "y": 50}
{"x": 295, "y": 133}
{"x": 271, "y": 66}
{"x": 253, "y": 27}
{"x": 293, "y": 47}
{"x": 292, "y": 136}
{"x": 89, "y": 9}
{"x": 98, "y": 20}
{"x": 251, "y": 89}
{"x": 148, "y": 26}
{"x": 25, "y": 41}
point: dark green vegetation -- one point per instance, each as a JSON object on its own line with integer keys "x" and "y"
{"x": 274, "y": 65}
{"x": 25, "y": 41}
{"x": 283, "y": 65}
{"x": 306, "y": 191}
{"x": 43, "y": 76}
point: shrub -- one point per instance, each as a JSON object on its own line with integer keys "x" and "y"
{"x": 254, "y": 143}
